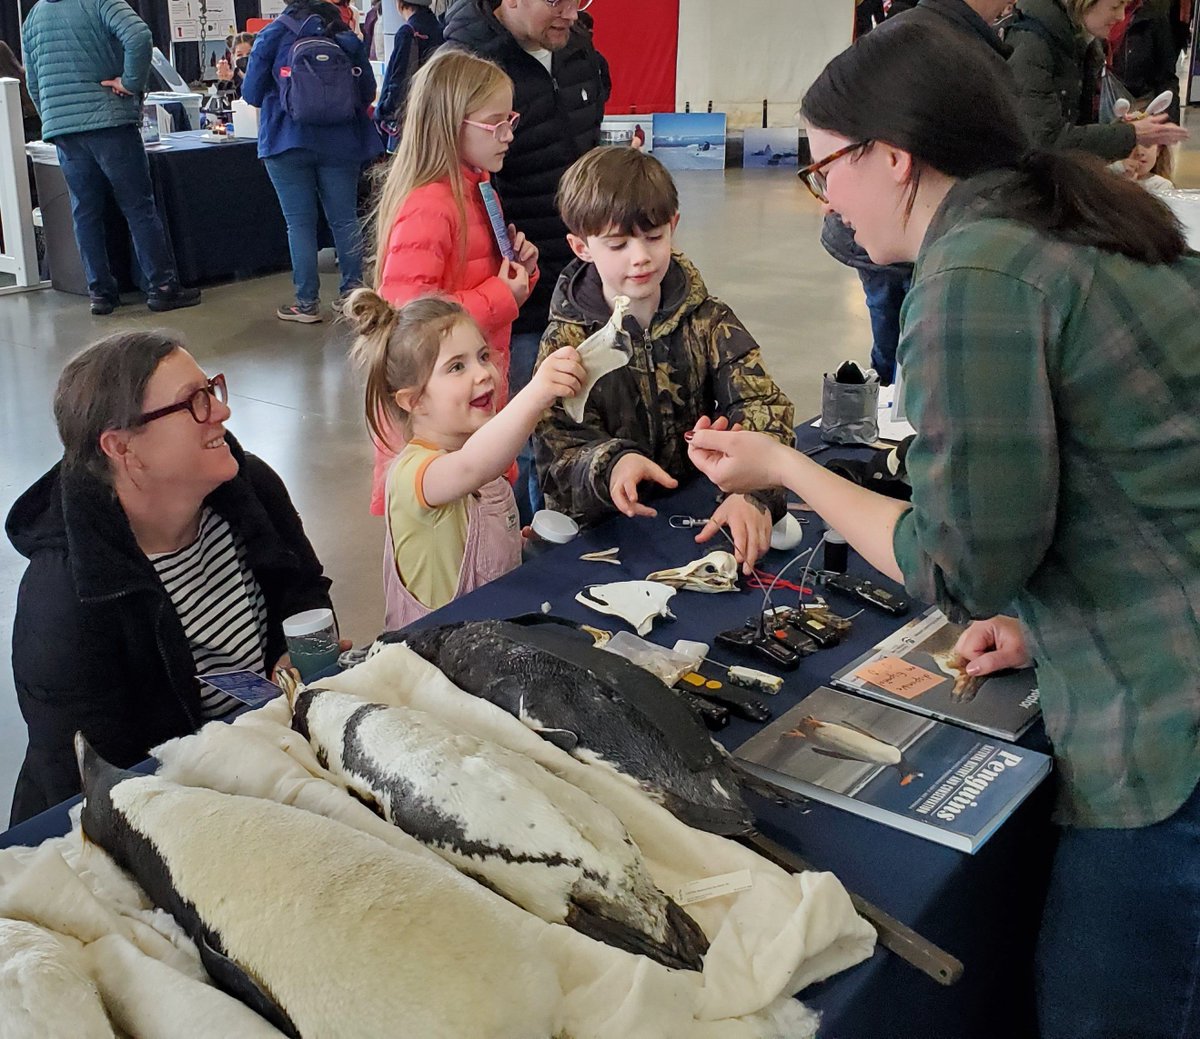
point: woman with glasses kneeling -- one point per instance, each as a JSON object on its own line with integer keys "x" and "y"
{"x": 1049, "y": 354}
{"x": 158, "y": 551}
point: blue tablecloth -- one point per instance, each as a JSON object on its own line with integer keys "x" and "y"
{"x": 984, "y": 909}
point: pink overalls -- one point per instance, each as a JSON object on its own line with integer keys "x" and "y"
{"x": 493, "y": 548}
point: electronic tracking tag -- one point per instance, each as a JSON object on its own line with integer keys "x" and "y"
{"x": 868, "y": 592}
{"x": 821, "y": 632}
{"x": 750, "y": 640}
{"x": 794, "y": 639}
{"x": 491, "y": 202}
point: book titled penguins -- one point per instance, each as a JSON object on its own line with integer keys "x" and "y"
{"x": 916, "y": 668}
{"x": 911, "y": 772}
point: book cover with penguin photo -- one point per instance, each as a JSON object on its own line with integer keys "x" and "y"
{"x": 905, "y": 770}
{"x": 917, "y": 668}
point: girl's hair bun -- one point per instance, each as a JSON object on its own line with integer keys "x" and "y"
{"x": 368, "y": 312}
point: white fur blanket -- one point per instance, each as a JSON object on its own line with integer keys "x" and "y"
{"x": 767, "y": 943}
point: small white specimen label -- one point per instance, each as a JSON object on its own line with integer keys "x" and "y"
{"x": 714, "y": 887}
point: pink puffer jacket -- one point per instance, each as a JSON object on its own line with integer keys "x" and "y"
{"x": 424, "y": 258}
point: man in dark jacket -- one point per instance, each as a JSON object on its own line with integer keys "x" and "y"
{"x": 560, "y": 87}
{"x": 97, "y": 643}
{"x": 86, "y": 63}
{"x": 885, "y": 287}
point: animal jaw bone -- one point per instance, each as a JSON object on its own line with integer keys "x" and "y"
{"x": 635, "y": 602}
{"x": 601, "y": 355}
{"x": 715, "y": 572}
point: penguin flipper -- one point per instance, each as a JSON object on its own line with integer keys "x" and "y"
{"x": 683, "y": 948}
{"x": 233, "y": 979}
{"x": 834, "y": 754}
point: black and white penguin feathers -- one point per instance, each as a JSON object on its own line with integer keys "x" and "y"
{"x": 502, "y": 818}
{"x": 324, "y": 930}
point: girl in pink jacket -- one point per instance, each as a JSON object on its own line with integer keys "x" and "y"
{"x": 433, "y": 233}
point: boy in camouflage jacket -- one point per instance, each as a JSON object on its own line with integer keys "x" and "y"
{"x": 692, "y": 357}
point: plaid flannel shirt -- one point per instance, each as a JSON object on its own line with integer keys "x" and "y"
{"x": 1055, "y": 390}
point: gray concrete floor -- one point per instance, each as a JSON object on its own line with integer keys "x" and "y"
{"x": 295, "y": 403}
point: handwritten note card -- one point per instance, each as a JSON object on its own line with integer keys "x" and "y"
{"x": 897, "y": 676}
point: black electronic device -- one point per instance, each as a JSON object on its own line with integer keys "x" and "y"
{"x": 793, "y": 638}
{"x": 715, "y": 716}
{"x": 821, "y": 632}
{"x": 756, "y": 639}
{"x": 868, "y": 591}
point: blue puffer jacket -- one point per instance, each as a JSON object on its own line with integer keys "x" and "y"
{"x": 352, "y": 142}
{"x": 70, "y": 47}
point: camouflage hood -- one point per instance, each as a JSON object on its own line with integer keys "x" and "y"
{"x": 579, "y": 297}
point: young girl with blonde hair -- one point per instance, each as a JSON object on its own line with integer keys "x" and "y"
{"x": 451, "y": 516}
{"x": 432, "y": 231}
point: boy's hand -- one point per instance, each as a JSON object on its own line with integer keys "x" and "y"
{"x": 559, "y": 375}
{"x": 527, "y": 252}
{"x": 630, "y": 470}
{"x": 749, "y": 525}
{"x": 516, "y": 280}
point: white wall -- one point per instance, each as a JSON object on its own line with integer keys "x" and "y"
{"x": 737, "y": 52}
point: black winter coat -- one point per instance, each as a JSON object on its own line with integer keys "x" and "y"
{"x": 561, "y": 112}
{"x": 1146, "y": 58}
{"x": 414, "y": 45}
{"x": 97, "y": 645}
{"x": 1058, "y": 75}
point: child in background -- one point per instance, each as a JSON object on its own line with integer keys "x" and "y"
{"x": 692, "y": 356}
{"x": 432, "y": 232}
{"x": 451, "y": 516}
{"x": 1150, "y": 165}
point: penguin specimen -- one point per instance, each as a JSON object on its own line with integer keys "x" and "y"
{"x": 502, "y": 818}
{"x": 322, "y": 929}
{"x": 596, "y": 706}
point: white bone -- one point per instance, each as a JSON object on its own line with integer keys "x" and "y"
{"x": 635, "y": 602}
{"x": 601, "y": 355}
{"x": 715, "y": 572}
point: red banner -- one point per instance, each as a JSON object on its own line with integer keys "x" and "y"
{"x": 640, "y": 40}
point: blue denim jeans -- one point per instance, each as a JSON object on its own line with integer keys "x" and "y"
{"x": 303, "y": 180}
{"x": 522, "y": 356}
{"x": 1119, "y": 950}
{"x": 94, "y": 163}
{"x": 885, "y": 288}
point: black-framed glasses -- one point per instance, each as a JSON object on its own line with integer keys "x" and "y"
{"x": 814, "y": 175}
{"x": 579, "y": 5}
{"x": 199, "y": 403}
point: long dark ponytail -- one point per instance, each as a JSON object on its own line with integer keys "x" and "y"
{"x": 926, "y": 91}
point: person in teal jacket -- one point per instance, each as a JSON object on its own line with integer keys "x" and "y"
{"x": 86, "y": 63}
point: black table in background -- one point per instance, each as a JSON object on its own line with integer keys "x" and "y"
{"x": 219, "y": 208}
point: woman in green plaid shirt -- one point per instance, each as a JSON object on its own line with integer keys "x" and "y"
{"x": 1051, "y": 352}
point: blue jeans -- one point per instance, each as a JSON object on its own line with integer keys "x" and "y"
{"x": 1119, "y": 949}
{"x": 303, "y": 179}
{"x": 522, "y": 356}
{"x": 94, "y": 163}
{"x": 885, "y": 288}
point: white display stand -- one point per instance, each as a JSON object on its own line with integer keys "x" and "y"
{"x": 19, "y": 257}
